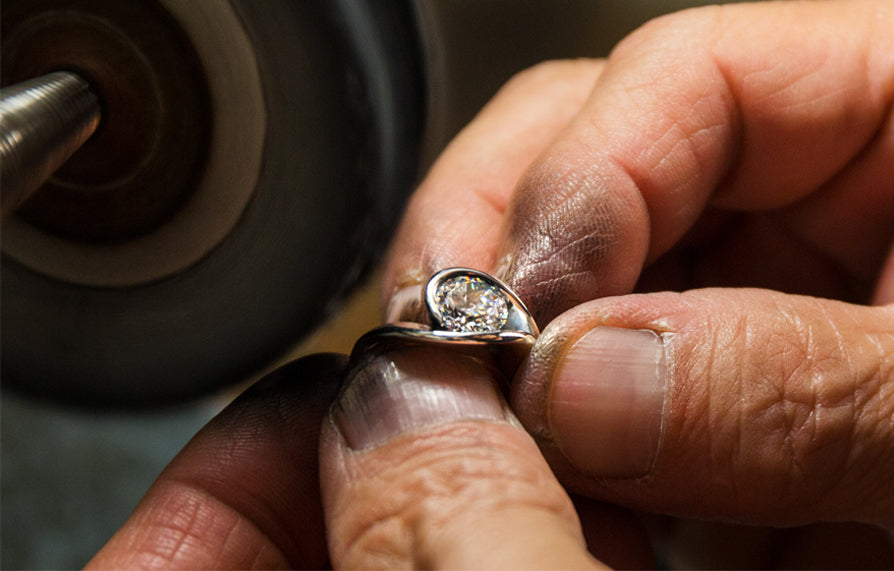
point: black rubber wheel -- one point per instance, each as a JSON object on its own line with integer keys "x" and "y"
{"x": 341, "y": 86}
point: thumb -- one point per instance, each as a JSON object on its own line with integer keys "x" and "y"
{"x": 422, "y": 466}
{"x": 748, "y": 405}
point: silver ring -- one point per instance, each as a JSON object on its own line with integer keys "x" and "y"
{"x": 469, "y": 311}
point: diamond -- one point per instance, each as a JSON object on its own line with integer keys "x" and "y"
{"x": 471, "y": 304}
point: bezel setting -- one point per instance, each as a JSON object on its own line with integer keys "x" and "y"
{"x": 507, "y": 344}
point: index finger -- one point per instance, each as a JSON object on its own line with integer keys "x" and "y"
{"x": 455, "y": 217}
{"x": 746, "y": 107}
{"x": 743, "y": 107}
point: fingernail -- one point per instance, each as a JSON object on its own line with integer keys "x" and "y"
{"x": 405, "y": 391}
{"x": 606, "y": 402}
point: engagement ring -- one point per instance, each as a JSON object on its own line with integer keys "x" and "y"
{"x": 469, "y": 311}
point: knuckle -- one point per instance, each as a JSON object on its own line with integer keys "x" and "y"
{"x": 188, "y": 525}
{"x": 672, "y": 31}
{"x": 814, "y": 412}
{"x": 444, "y": 484}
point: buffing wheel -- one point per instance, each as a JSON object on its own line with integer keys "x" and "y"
{"x": 252, "y": 159}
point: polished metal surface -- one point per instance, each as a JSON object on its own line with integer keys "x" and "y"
{"x": 43, "y": 121}
{"x": 519, "y": 319}
{"x": 506, "y": 346}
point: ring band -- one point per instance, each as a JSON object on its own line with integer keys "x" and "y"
{"x": 469, "y": 311}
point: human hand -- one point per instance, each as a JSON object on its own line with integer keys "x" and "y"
{"x": 748, "y": 145}
{"x": 575, "y": 196}
{"x": 422, "y": 465}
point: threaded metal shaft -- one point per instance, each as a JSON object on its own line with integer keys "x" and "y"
{"x": 43, "y": 121}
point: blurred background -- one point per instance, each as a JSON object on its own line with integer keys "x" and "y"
{"x": 247, "y": 166}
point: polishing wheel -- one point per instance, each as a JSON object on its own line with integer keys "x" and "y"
{"x": 251, "y": 160}
{"x": 248, "y": 161}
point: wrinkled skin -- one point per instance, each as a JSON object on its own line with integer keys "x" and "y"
{"x": 738, "y": 162}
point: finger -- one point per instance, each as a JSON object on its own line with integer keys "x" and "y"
{"x": 423, "y": 466}
{"x": 743, "y": 404}
{"x": 244, "y": 493}
{"x": 742, "y": 107}
{"x": 455, "y": 217}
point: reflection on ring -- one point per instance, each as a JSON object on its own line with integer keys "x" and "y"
{"x": 469, "y": 311}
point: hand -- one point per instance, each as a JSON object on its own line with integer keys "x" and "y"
{"x": 748, "y": 145}
{"x": 422, "y": 465}
{"x": 244, "y": 493}
{"x": 709, "y": 134}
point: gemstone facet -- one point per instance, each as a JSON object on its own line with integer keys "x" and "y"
{"x": 471, "y": 304}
